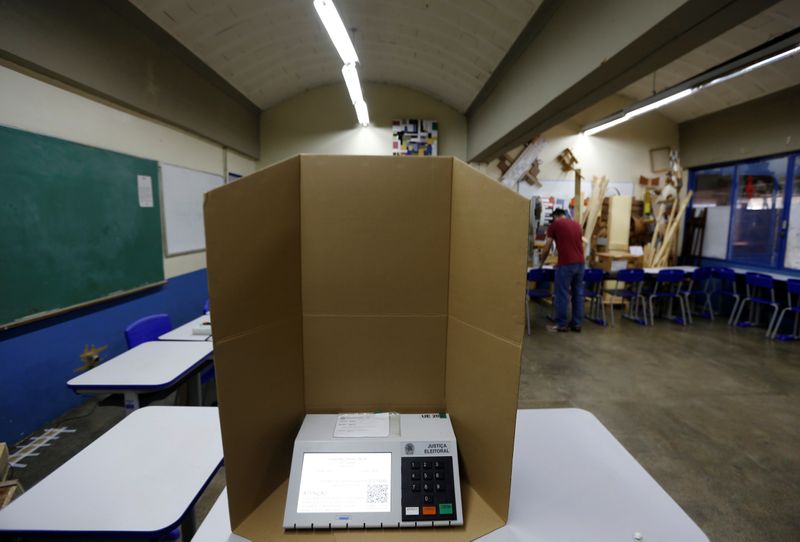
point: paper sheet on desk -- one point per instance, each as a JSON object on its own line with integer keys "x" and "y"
{"x": 362, "y": 424}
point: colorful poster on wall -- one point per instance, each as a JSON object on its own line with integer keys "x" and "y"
{"x": 415, "y": 137}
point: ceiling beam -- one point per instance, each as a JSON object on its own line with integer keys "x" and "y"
{"x": 585, "y": 52}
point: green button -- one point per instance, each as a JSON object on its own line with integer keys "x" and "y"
{"x": 445, "y": 509}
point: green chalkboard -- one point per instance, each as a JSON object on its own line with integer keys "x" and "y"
{"x": 72, "y": 229}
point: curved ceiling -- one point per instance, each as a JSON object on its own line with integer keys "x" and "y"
{"x": 271, "y": 50}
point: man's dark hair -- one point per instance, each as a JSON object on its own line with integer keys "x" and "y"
{"x": 559, "y": 212}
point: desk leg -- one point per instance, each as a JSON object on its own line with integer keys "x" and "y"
{"x": 188, "y": 525}
{"x": 131, "y": 401}
{"x": 195, "y": 390}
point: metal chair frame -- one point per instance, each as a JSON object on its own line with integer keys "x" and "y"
{"x": 671, "y": 280}
{"x": 702, "y": 277}
{"x": 792, "y": 287}
{"x": 755, "y": 284}
{"x": 635, "y": 278}
{"x": 593, "y": 291}
{"x": 726, "y": 274}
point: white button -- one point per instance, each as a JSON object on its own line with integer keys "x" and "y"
{"x": 412, "y": 510}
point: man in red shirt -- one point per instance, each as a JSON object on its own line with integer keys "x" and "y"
{"x": 568, "y": 236}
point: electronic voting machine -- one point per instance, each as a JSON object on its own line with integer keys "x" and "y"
{"x": 374, "y": 470}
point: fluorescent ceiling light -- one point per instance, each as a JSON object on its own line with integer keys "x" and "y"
{"x": 336, "y": 30}
{"x": 353, "y": 85}
{"x": 690, "y": 87}
{"x": 633, "y": 113}
{"x": 751, "y": 67}
{"x": 362, "y": 113}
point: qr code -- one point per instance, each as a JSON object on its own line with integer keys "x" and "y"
{"x": 377, "y": 493}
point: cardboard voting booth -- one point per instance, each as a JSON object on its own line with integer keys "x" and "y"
{"x": 353, "y": 284}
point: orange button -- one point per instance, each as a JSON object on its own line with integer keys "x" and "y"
{"x": 428, "y": 510}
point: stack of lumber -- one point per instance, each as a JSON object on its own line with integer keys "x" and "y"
{"x": 593, "y": 210}
{"x": 665, "y": 234}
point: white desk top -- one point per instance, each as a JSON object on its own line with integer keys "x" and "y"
{"x": 684, "y": 268}
{"x": 572, "y": 481}
{"x": 149, "y": 366}
{"x": 184, "y": 332}
{"x": 138, "y": 478}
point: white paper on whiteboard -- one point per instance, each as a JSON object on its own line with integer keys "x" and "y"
{"x": 145, "y": 185}
{"x": 362, "y": 424}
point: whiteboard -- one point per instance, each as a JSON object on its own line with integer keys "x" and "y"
{"x": 182, "y": 192}
{"x": 715, "y": 237}
{"x": 792, "y": 260}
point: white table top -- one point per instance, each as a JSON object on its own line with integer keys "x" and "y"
{"x": 139, "y": 478}
{"x": 184, "y": 332}
{"x": 684, "y": 268}
{"x": 572, "y": 481}
{"x": 152, "y": 365}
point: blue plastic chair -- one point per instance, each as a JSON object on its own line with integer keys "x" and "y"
{"x": 632, "y": 280}
{"x": 206, "y": 307}
{"x": 792, "y": 289}
{"x": 760, "y": 289}
{"x": 699, "y": 286}
{"x": 667, "y": 286}
{"x": 149, "y": 328}
{"x": 593, "y": 291}
{"x": 538, "y": 276}
{"x": 727, "y": 288}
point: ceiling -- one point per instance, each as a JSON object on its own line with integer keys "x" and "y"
{"x": 779, "y": 19}
{"x": 271, "y": 50}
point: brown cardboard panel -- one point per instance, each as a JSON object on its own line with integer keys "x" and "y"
{"x": 488, "y": 253}
{"x": 260, "y": 393}
{"x": 253, "y": 249}
{"x": 388, "y": 247}
{"x": 482, "y": 389}
{"x": 375, "y": 234}
{"x": 265, "y": 524}
{"x": 358, "y": 363}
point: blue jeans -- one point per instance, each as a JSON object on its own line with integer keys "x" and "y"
{"x": 569, "y": 279}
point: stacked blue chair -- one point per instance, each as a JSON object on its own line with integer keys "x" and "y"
{"x": 792, "y": 289}
{"x": 149, "y": 328}
{"x": 699, "y": 286}
{"x": 593, "y": 291}
{"x": 632, "y": 280}
{"x": 538, "y": 276}
{"x": 760, "y": 291}
{"x": 206, "y": 307}
{"x": 727, "y": 288}
{"x": 668, "y": 287}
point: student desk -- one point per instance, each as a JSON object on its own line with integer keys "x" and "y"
{"x": 150, "y": 366}
{"x": 184, "y": 332}
{"x": 572, "y": 481}
{"x": 139, "y": 480}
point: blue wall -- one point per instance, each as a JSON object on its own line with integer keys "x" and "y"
{"x": 36, "y": 360}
